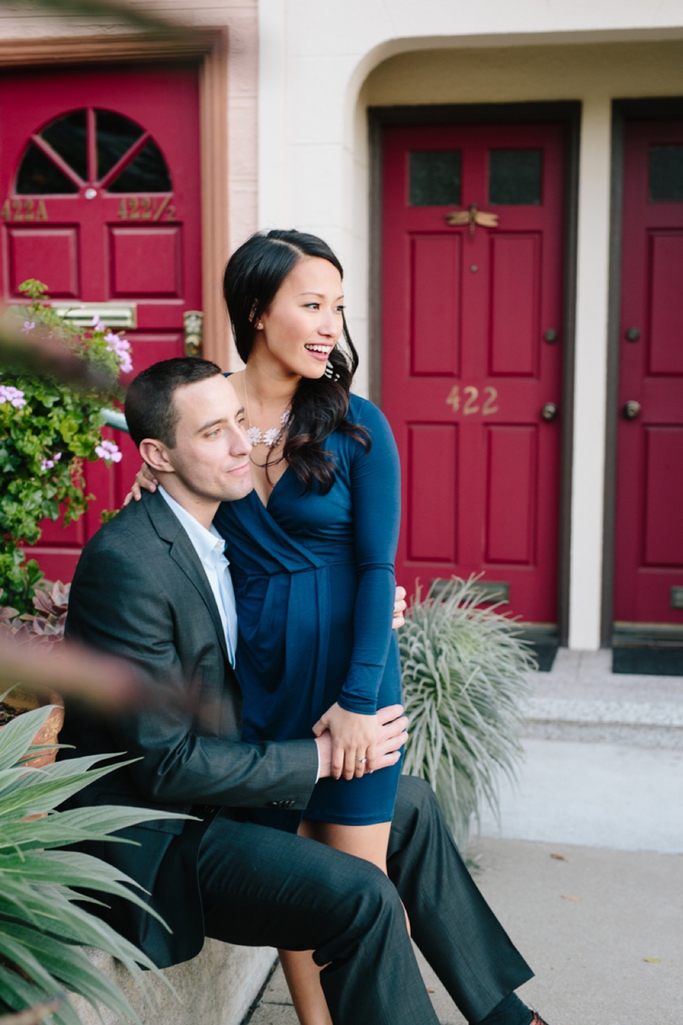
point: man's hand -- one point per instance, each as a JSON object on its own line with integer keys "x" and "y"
{"x": 391, "y": 737}
{"x": 399, "y": 608}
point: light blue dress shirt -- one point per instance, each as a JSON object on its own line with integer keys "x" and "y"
{"x": 210, "y": 547}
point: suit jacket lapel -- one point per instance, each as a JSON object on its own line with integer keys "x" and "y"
{"x": 168, "y": 527}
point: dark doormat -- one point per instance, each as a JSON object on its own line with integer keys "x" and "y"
{"x": 545, "y": 652}
{"x": 648, "y": 659}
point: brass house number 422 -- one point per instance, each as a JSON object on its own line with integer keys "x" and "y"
{"x": 470, "y": 401}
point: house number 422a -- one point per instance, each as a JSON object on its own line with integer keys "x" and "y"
{"x": 470, "y": 400}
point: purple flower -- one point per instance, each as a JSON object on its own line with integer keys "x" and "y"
{"x": 28, "y": 326}
{"x": 121, "y": 346}
{"x": 110, "y": 451}
{"x": 12, "y": 395}
{"x": 97, "y": 324}
{"x": 48, "y": 464}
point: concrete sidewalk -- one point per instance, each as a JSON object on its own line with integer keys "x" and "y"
{"x": 590, "y": 955}
{"x": 602, "y": 787}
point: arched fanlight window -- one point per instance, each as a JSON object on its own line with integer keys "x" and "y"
{"x": 92, "y": 147}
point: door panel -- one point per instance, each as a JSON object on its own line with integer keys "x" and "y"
{"x": 100, "y": 175}
{"x": 514, "y": 305}
{"x": 512, "y": 478}
{"x": 146, "y": 261}
{"x": 436, "y": 271}
{"x": 666, "y": 310}
{"x": 663, "y": 496}
{"x": 649, "y": 513}
{"x": 48, "y": 254}
{"x": 432, "y": 526}
{"x": 467, "y": 368}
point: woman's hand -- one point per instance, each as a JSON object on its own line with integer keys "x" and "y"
{"x": 400, "y": 605}
{"x": 144, "y": 478}
{"x": 354, "y": 741}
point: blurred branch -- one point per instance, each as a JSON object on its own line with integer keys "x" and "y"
{"x": 42, "y": 353}
{"x": 103, "y": 681}
{"x": 103, "y": 10}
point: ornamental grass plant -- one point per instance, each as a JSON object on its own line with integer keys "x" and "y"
{"x": 464, "y": 671}
{"x": 43, "y": 918}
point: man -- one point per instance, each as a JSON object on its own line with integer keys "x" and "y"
{"x": 153, "y": 586}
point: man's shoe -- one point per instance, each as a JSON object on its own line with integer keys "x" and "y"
{"x": 537, "y": 1020}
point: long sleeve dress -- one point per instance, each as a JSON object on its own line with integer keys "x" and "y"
{"x": 314, "y": 587}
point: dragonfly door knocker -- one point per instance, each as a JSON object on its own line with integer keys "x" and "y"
{"x": 472, "y": 216}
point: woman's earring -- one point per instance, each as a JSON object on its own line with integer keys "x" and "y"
{"x": 330, "y": 372}
{"x": 259, "y": 326}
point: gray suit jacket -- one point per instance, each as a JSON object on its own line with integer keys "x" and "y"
{"x": 139, "y": 591}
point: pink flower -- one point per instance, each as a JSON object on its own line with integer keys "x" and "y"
{"x": 110, "y": 451}
{"x": 28, "y": 326}
{"x": 48, "y": 464}
{"x": 12, "y": 395}
{"x": 121, "y": 346}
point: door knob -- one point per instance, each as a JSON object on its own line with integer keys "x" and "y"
{"x": 549, "y": 411}
{"x": 551, "y": 335}
{"x": 633, "y": 334}
{"x": 632, "y": 409}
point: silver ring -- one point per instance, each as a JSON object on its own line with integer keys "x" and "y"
{"x": 361, "y": 760}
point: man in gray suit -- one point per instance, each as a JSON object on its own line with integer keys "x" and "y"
{"x": 153, "y": 586}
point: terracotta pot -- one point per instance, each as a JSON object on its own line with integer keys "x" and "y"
{"x": 25, "y": 701}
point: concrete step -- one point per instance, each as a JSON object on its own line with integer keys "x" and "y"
{"x": 638, "y": 724}
{"x": 580, "y": 699}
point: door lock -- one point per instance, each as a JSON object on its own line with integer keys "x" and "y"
{"x": 632, "y": 409}
{"x": 549, "y": 411}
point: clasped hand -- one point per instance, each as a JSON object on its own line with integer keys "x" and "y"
{"x": 354, "y": 741}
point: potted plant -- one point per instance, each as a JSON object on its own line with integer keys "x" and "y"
{"x": 464, "y": 686}
{"x": 48, "y": 428}
{"x": 44, "y": 628}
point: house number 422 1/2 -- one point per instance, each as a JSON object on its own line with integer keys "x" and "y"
{"x": 470, "y": 402}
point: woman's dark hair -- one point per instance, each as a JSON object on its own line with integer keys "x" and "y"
{"x": 252, "y": 278}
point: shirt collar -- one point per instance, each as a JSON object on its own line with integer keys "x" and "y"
{"x": 203, "y": 541}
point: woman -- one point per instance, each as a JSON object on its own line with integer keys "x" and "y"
{"x": 312, "y": 549}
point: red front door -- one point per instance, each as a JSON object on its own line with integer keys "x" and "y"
{"x": 472, "y": 353}
{"x": 649, "y": 521}
{"x": 100, "y": 196}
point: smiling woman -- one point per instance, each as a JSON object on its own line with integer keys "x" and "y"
{"x": 312, "y": 550}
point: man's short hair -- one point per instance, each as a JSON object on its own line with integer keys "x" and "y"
{"x": 150, "y": 409}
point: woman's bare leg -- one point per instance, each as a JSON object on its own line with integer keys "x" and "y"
{"x": 301, "y": 971}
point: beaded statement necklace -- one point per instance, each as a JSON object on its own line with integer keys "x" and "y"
{"x": 272, "y": 436}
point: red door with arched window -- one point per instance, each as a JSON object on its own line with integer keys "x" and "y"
{"x": 100, "y": 193}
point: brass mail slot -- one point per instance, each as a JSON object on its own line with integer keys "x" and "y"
{"x": 490, "y": 590}
{"x": 119, "y": 316}
{"x": 676, "y": 601}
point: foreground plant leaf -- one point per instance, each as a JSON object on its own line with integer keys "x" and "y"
{"x": 44, "y": 916}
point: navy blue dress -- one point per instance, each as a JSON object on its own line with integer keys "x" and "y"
{"x": 314, "y": 586}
